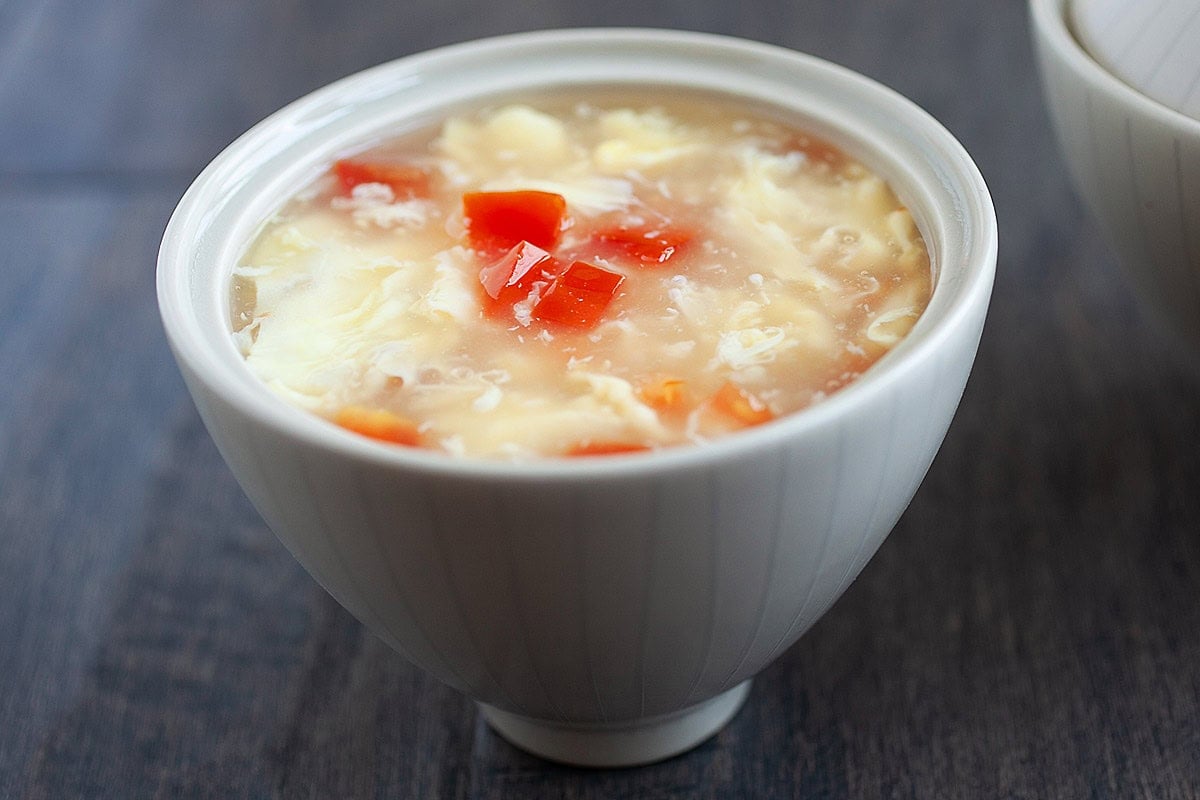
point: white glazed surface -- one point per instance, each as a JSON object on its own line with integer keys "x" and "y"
{"x": 1135, "y": 162}
{"x": 1153, "y": 45}
{"x": 591, "y": 590}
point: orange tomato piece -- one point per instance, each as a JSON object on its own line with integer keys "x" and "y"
{"x": 847, "y": 368}
{"x": 646, "y": 245}
{"x": 817, "y": 150}
{"x": 379, "y": 424}
{"x": 590, "y": 448}
{"x": 736, "y": 403}
{"x": 513, "y": 268}
{"x": 405, "y": 180}
{"x": 668, "y": 394}
{"x": 578, "y": 296}
{"x": 499, "y": 220}
{"x": 508, "y": 280}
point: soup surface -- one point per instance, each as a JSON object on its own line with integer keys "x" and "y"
{"x": 583, "y": 277}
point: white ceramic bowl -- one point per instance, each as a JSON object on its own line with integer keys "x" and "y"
{"x": 1135, "y": 162}
{"x": 602, "y": 611}
{"x": 1153, "y": 45}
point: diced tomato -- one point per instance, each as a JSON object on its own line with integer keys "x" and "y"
{"x": 817, "y": 150}
{"x": 605, "y": 448}
{"x": 668, "y": 394}
{"x": 646, "y": 245}
{"x": 513, "y": 269}
{"x": 578, "y": 296}
{"x": 509, "y": 279}
{"x": 405, "y": 180}
{"x": 499, "y": 220}
{"x": 378, "y": 424}
{"x": 740, "y": 405}
{"x": 848, "y": 367}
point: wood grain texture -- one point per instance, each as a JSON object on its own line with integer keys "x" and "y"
{"x": 1031, "y": 628}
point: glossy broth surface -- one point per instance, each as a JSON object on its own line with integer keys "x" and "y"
{"x": 705, "y": 269}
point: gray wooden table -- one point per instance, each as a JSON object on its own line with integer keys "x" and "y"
{"x": 1030, "y": 629}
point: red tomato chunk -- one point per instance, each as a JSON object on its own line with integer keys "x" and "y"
{"x": 645, "y": 245}
{"x": 578, "y": 296}
{"x": 513, "y": 269}
{"x": 499, "y": 220}
{"x": 379, "y": 424}
{"x": 606, "y": 448}
{"x": 817, "y": 150}
{"x": 741, "y": 406}
{"x": 666, "y": 395}
{"x": 405, "y": 181}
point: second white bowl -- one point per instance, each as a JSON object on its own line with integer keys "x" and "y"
{"x": 1135, "y": 163}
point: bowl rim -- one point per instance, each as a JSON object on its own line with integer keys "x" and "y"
{"x": 1051, "y": 25}
{"x": 971, "y": 288}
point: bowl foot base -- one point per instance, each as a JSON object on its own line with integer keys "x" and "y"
{"x": 618, "y": 744}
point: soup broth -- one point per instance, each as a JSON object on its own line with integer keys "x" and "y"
{"x": 579, "y": 276}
